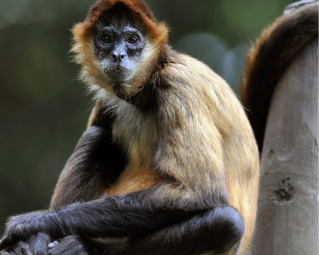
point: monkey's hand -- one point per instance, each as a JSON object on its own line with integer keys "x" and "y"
{"x": 22, "y": 227}
{"x": 35, "y": 245}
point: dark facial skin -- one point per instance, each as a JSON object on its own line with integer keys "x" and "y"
{"x": 118, "y": 50}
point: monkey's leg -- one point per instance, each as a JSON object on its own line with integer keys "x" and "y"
{"x": 219, "y": 230}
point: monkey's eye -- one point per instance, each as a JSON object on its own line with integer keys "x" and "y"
{"x": 106, "y": 39}
{"x": 133, "y": 40}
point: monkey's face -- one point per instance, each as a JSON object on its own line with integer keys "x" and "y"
{"x": 118, "y": 47}
{"x": 119, "y": 52}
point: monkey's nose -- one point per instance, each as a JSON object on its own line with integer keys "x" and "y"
{"x": 118, "y": 56}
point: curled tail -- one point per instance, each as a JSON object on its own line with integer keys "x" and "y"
{"x": 267, "y": 60}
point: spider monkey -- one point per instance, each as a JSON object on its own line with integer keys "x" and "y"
{"x": 168, "y": 164}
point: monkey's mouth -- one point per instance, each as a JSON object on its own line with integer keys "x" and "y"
{"x": 118, "y": 73}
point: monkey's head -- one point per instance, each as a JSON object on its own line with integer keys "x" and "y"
{"x": 118, "y": 46}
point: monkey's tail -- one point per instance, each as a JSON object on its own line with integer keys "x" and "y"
{"x": 266, "y": 61}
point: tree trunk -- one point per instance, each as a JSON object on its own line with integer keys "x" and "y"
{"x": 287, "y": 221}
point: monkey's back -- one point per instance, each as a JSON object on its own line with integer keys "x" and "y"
{"x": 226, "y": 134}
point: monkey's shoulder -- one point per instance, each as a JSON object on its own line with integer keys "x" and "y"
{"x": 189, "y": 80}
{"x": 184, "y": 69}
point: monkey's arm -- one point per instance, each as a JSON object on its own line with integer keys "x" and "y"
{"x": 134, "y": 215}
{"x": 195, "y": 235}
{"x": 95, "y": 163}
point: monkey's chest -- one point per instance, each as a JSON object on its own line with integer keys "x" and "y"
{"x": 138, "y": 138}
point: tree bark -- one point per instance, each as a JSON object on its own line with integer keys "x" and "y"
{"x": 287, "y": 221}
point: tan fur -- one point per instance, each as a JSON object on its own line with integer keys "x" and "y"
{"x": 224, "y": 133}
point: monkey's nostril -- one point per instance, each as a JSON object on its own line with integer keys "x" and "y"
{"x": 122, "y": 56}
{"x": 114, "y": 56}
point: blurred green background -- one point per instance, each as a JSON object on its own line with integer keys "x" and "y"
{"x": 44, "y": 109}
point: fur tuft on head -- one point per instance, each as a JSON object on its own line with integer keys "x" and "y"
{"x": 136, "y": 8}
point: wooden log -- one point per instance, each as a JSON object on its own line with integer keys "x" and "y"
{"x": 287, "y": 221}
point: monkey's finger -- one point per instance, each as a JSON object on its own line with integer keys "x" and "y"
{"x": 16, "y": 251}
{"x": 51, "y": 245}
{"x": 24, "y": 248}
{"x": 39, "y": 243}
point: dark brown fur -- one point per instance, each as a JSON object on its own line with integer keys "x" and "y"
{"x": 267, "y": 60}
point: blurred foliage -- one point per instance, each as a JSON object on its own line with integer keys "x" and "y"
{"x": 43, "y": 108}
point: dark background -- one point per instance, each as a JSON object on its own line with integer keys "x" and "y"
{"x": 44, "y": 109}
